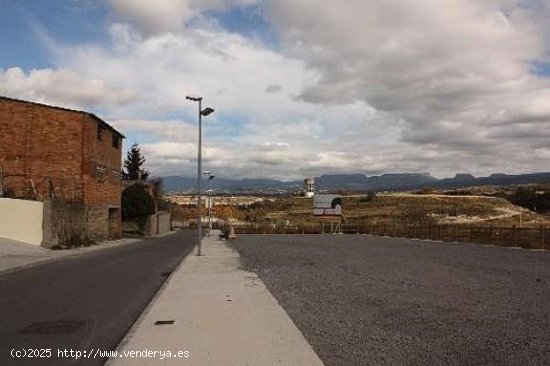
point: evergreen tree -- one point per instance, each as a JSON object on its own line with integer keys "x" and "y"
{"x": 133, "y": 164}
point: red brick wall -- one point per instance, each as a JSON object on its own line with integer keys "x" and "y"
{"x": 101, "y": 155}
{"x": 38, "y": 141}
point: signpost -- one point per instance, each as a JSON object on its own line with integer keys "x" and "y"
{"x": 328, "y": 208}
{"x": 327, "y": 205}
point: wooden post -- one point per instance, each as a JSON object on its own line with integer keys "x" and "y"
{"x": 427, "y": 228}
{"x": 454, "y": 232}
{"x": 491, "y": 233}
{"x": 471, "y": 234}
{"x": 541, "y": 237}
{"x": 394, "y": 228}
{"x": 514, "y": 234}
{"x": 439, "y": 231}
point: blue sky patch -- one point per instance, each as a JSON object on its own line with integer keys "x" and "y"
{"x": 67, "y": 22}
{"x": 249, "y": 22}
{"x": 541, "y": 68}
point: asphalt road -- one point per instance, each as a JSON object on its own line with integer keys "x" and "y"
{"x": 85, "y": 303}
{"x": 363, "y": 300}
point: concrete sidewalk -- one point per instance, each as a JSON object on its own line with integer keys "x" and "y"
{"x": 15, "y": 255}
{"x": 221, "y": 316}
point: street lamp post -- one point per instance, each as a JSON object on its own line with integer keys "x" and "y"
{"x": 209, "y": 200}
{"x": 202, "y": 112}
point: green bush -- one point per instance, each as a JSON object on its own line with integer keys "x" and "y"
{"x": 137, "y": 204}
{"x": 528, "y": 198}
{"x": 369, "y": 197}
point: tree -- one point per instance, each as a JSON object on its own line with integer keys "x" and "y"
{"x": 157, "y": 192}
{"x": 527, "y": 197}
{"x": 133, "y": 164}
{"x": 370, "y": 196}
{"x": 137, "y": 204}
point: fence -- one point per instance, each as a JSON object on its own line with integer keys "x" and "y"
{"x": 40, "y": 188}
{"x": 526, "y": 237}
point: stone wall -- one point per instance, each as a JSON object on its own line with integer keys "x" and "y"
{"x": 158, "y": 223}
{"x": 65, "y": 224}
{"x": 164, "y": 224}
{"x": 98, "y": 222}
{"x": 75, "y": 224}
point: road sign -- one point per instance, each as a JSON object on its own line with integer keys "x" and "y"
{"x": 327, "y": 205}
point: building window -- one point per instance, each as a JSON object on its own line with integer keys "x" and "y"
{"x": 116, "y": 141}
{"x": 100, "y": 131}
{"x": 100, "y": 173}
{"x": 116, "y": 176}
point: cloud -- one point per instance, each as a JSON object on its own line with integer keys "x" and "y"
{"x": 165, "y": 130}
{"x": 373, "y": 86}
{"x": 449, "y": 71}
{"x": 273, "y": 88}
{"x": 61, "y": 86}
{"x": 152, "y": 18}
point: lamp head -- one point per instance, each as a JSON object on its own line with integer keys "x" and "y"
{"x": 206, "y": 111}
{"x": 194, "y": 98}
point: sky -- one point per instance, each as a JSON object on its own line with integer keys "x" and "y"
{"x": 299, "y": 87}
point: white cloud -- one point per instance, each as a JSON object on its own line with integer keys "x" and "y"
{"x": 448, "y": 70}
{"x": 369, "y": 86}
{"x": 151, "y": 17}
{"x": 156, "y": 17}
{"x": 61, "y": 86}
{"x": 165, "y": 130}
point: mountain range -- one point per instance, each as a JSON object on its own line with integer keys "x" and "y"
{"x": 352, "y": 182}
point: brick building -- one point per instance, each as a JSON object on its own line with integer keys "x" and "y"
{"x": 56, "y": 154}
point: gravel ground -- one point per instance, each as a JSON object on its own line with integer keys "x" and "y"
{"x": 362, "y": 300}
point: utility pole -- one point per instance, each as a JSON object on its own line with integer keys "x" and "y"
{"x": 202, "y": 112}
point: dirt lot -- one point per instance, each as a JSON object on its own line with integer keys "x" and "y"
{"x": 363, "y": 300}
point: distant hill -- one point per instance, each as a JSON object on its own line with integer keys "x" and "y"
{"x": 352, "y": 182}
{"x": 465, "y": 180}
{"x": 391, "y": 182}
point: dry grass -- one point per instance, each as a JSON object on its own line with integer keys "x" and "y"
{"x": 406, "y": 209}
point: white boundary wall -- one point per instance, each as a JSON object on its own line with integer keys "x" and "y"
{"x": 21, "y": 220}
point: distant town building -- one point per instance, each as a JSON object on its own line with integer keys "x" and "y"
{"x": 190, "y": 200}
{"x": 309, "y": 186}
{"x": 52, "y": 153}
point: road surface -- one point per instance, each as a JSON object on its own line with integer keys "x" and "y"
{"x": 86, "y": 303}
